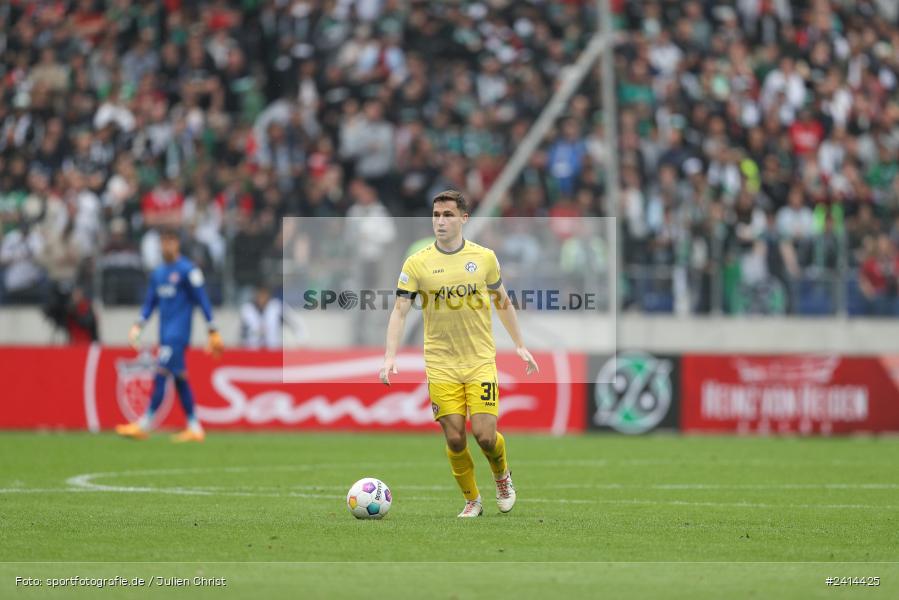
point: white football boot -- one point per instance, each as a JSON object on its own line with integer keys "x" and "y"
{"x": 473, "y": 508}
{"x": 505, "y": 493}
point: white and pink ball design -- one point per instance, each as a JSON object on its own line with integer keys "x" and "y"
{"x": 369, "y": 498}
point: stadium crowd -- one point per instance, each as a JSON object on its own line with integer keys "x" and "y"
{"x": 758, "y": 139}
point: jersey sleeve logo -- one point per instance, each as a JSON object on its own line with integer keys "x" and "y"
{"x": 471, "y": 267}
{"x": 404, "y": 278}
{"x": 196, "y": 277}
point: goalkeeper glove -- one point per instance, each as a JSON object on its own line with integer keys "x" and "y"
{"x": 215, "y": 346}
{"x": 134, "y": 335}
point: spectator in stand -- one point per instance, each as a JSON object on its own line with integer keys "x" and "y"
{"x": 109, "y": 98}
{"x": 253, "y": 241}
{"x": 879, "y": 278}
{"x": 784, "y": 85}
{"x": 369, "y": 231}
{"x": 161, "y": 206}
{"x": 367, "y": 143}
{"x": 23, "y": 278}
{"x": 795, "y": 221}
{"x": 566, "y": 158}
{"x": 263, "y": 319}
{"x": 260, "y": 321}
{"x": 121, "y": 268}
{"x": 73, "y": 312}
{"x": 370, "y": 227}
{"x": 806, "y": 134}
{"x": 61, "y": 257}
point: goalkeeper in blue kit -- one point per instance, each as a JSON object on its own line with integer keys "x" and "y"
{"x": 175, "y": 287}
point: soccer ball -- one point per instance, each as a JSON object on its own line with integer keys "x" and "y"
{"x": 369, "y": 498}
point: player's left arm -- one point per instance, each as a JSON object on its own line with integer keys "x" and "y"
{"x": 197, "y": 287}
{"x": 508, "y": 316}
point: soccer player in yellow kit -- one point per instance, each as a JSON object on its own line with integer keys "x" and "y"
{"x": 457, "y": 279}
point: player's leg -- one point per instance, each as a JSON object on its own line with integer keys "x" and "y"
{"x": 493, "y": 445}
{"x": 448, "y": 404}
{"x": 138, "y": 430}
{"x": 491, "y": 441}
{"x": 482, "y": 396}
{"x": 194, "y": 431}
{"x": 461, "y": 463}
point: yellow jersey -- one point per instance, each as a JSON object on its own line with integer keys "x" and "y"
{"x": 453, "y": 291}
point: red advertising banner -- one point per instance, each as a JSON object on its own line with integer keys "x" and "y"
{"x": 789, "y": 394}
{"x": 96, "y": 388}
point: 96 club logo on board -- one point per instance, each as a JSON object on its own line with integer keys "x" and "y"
{"x": 634, "y": 392}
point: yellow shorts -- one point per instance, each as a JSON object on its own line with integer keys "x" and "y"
{"x": 463, "y": 391}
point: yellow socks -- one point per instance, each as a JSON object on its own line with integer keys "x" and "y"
{"x": 497, "y": 457}
{"x": 463, "y": 470}
{"x": 463, "y": 466}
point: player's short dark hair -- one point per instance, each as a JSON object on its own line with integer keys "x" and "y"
{"x": 452, "y": 196}
{"x": 169, "y": 232}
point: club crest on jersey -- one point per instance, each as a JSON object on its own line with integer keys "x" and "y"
{"x": 471, "y": 267}
{"x": 173, "y": 277}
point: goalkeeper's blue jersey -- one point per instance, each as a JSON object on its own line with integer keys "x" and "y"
{"x": 176, "y": 288}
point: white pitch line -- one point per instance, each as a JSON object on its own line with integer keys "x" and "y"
{"x": 646, "y": 462}
{"x": 217, "y": 490}
{"x": 747, "y": 504}
{"x": 83, "y": 483}
{"x": 40, "y": 490}
{"x": 86, "y": 482}
{"x": 727, "y": 486}
{"x": 313, "y": 488}
{"x": 330, "y": 497}
{"x": 594, "y": 486}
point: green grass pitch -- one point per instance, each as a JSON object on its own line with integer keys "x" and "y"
{"x": 662, "y": 516}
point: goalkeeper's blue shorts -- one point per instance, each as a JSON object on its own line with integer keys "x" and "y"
{"x": 171, "y": 358}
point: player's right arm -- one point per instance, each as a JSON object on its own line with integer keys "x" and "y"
{"x": 395, "y": 327}
{"x": 146, "y": 310}
{"x": 406, "y": 288}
